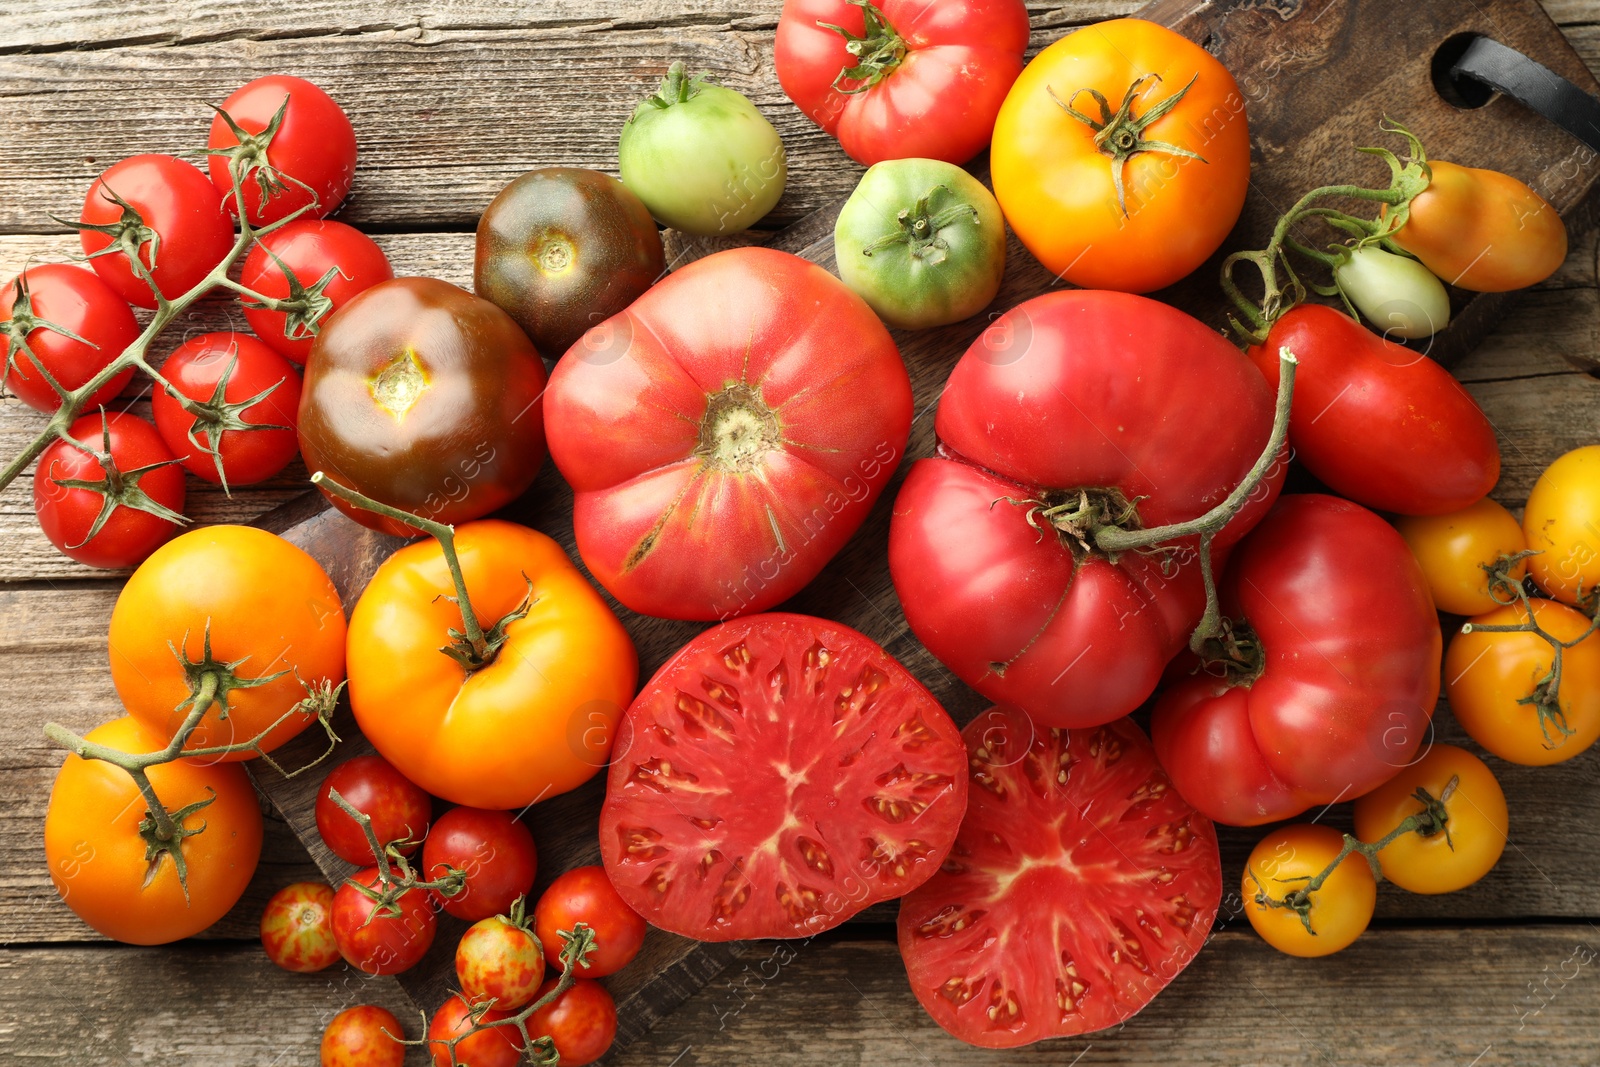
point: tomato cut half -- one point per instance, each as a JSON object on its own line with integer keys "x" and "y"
{"x": 776, "y": 776}
{"x": 1080, "y": 885}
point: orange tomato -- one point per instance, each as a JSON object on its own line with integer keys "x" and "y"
{"x": 1283, "y": 862}
{"x": 535, "y": 722}
{"x": 1483, "y": 230}
{"x": 1475, "y": 822}
{"x": 1058, "y": 188}
{"x": 96, "y": 855}
{"x": 1562, "y": 521}
{"x": 1454, "y": 548}
{"x": 265, "y": 606}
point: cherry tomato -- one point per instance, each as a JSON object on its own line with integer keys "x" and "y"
{"x": 498, "y": 1046}
{"x": 173, "y": 211}
{"x": 363, "y": 1036}
{"x": 495, "y": 850}
{"x": 1483, "y": 230}
{"x": 1340, "y": 910}
{"x": 73, "y": 325}
{"x": 1487, "y": 675}
{"x": 313, "y": 150}
{"x": 582, "y": 1021}
{"x": 224, "y": 372}
{"x": 97, "y": 852}
{"x": 1454, "y": 548}
{"x": 1398, "y": 296}
{"x": 398, "y": 808}
{"x": 311, "y": 250}
{"x": 380, "y": 941}
{"x": 500, "y": 960}
{"x": 109, "y": 519}
{"x": 1475, "y": 824}
{"x": 297, "y": 928}
{"x": 1562, "y": 521}
{"x": 586, "y": 895}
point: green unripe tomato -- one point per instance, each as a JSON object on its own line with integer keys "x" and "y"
{"x": 701, "y": 157}
{"x": 922, "y": 241}
{"x": 1398, "y": 296}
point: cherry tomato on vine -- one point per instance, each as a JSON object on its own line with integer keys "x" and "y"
{"x": 499, "y": 959}
{"x": 312, "y": 152}
{"x": 586, "y": 895}
{"x": 1341, "y": 908}
{"x": 497, "y": 1046}
{"x": 173, "y": 213}
{"x": 311, "y": 250}
{"x": 1561, "y": 521}
{"x": 1453, "y": 549}
{"x": 109, "y": 517}
{"x": 378, "y": 940}
{"x": 1475, "y": 825}
{"x": 225, "y": 372}
{"x": 69, "y": 321}
{"x": 399, "y": 808}
{"x": 1398, "y": 296}
{"x": 297, "y": 928}
{"x": 363, "y": 1036}
{"x": 582, "y": 1021}
{"x": 495, "y": 850}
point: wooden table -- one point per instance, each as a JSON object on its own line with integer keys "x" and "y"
{"x": 451, "y": 99}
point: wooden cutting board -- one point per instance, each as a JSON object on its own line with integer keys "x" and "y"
{"x": 1317, "y": 76}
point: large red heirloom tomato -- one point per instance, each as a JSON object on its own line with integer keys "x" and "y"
{"x": 776, "y": 776}
{"x": 1330, "y": 674}
{"x": 727, "y": 433}
{"x": 1075, "y": 410}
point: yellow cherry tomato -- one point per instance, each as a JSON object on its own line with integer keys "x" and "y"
{"x": 1474, "y": 835}
{"x": 1282, "y": 863}
{"x": 1454, "y": 548}
{"x": 1562, "y": 522}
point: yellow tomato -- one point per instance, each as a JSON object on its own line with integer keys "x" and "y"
{"x": 1281, "y": 864}
{"x": 1474, "y": 835}
{"x": 1453, "y": 549}
{"x": 1562, "y": 522}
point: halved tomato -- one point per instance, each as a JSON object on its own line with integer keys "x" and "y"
{"x": 777, "y": 775}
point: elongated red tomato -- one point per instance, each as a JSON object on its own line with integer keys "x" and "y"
{"x": 1377, "y": 422}
{"x": 1331, "y": 676}
{"x": 1074, "y": 411}
{"x": 1080, "y": 885}
{"x": 776, "y": 776}
{"x": 914, "y": 78}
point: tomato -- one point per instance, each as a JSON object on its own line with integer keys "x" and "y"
{"x": 97, "y": 852}
{"x": 495, "y": 850}
{"x": 239, "y": 605}
{"x": 1080, "y": 885}
{"x": 333, "y": 260}
{"x": 582, "y": 1022}
{"x": 1399, "y": 296}
{"x": 904, "y": 78}
{"x": 1561, "y": 522}
{"x": 399, "y": 809}
{"x": 297, "y": 928}
{"x": 225, "y": 372}
{"x": 721, "y": 442}
{"x": 381, "y": 940}
{"x": 1328, "y": 684}
{"x": 1454, "y": 548}
{"x": 499, "y": 1046}
{"x": 848, "y": 777}
{"x": 169, "y": 211}
{"x": 1475, "y": 824}
{"x": 535, "y": 722}
{"x": 1074, "y": 397}
{"x": 62, "y": 322}
{"x": 1340, "y": 910}
{"x": 562, "y": 249}
{"x": 499, "y": 959}
{"x": 923, "y": 242}
{"x": 1105, "y": 216}
{"x": 426, "y": 398}
{"x": 363, "y": 1036}
{"x": 1483, "y": 230}
{"x": 586, "y": 895}
{"x": 701, "y": 157}
{"x": 108, "y": 516}
{"x": 1375, "y": 421}
{"x": 310, "y": 155}
{"x": 1494, "y": 679}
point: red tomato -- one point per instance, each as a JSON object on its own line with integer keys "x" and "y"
{"x": 398, "y": 808}
{"x": 498, "y": 1046}
{"x": 500, "y": 960}
{"x": 582, "y": 1022}
{"x": 197, "y": 369}
{"x": 181, "y": 229}
{"x": 72, "y": 325}
{"x": 297, "y": 928}
{"x": 380, "y": 941}
{"x": 586, "y": 895}
{"x": 1377, "y": 422}
{"x": 363, "y": 1036}
{"x": 1075, "y": 396}
{"x": 313, "y": 150}
{"x": 749, "y": 709}
{"x": 1080, "y": 885}
{"x": 1335, "y": 678}
{"x": 924, "y": 78}
{"x": 310, "y": 249}
{"x": 109, "y": 519}
{"x": 495, "y": 850}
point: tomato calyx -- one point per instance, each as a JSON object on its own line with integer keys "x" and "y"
{"x": 1078, "y": 515}
{"x": 129, "y": 234}
{"x": 249, "y": 158}
{"x": 876, "y": 53}
{"x": 1120, "y": 135}
{"x": 23, "y": 322}
{"x": 305, "y": 306}
{"x": 217, "y": 416}
{"x": 164, "y": 837}
{"x": 676, "y": 87}
{"x": 1233, "y": 654}
{"x": 117, "y": 488}
{"x": 737, "y": 429}
{"x": 921, "y": 227}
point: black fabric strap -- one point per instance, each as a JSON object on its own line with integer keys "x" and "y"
{"x": 1534, "y": 85}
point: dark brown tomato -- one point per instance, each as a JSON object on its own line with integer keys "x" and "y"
{"x": 562, "y": 249}
{"x": 424, "y": 397}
